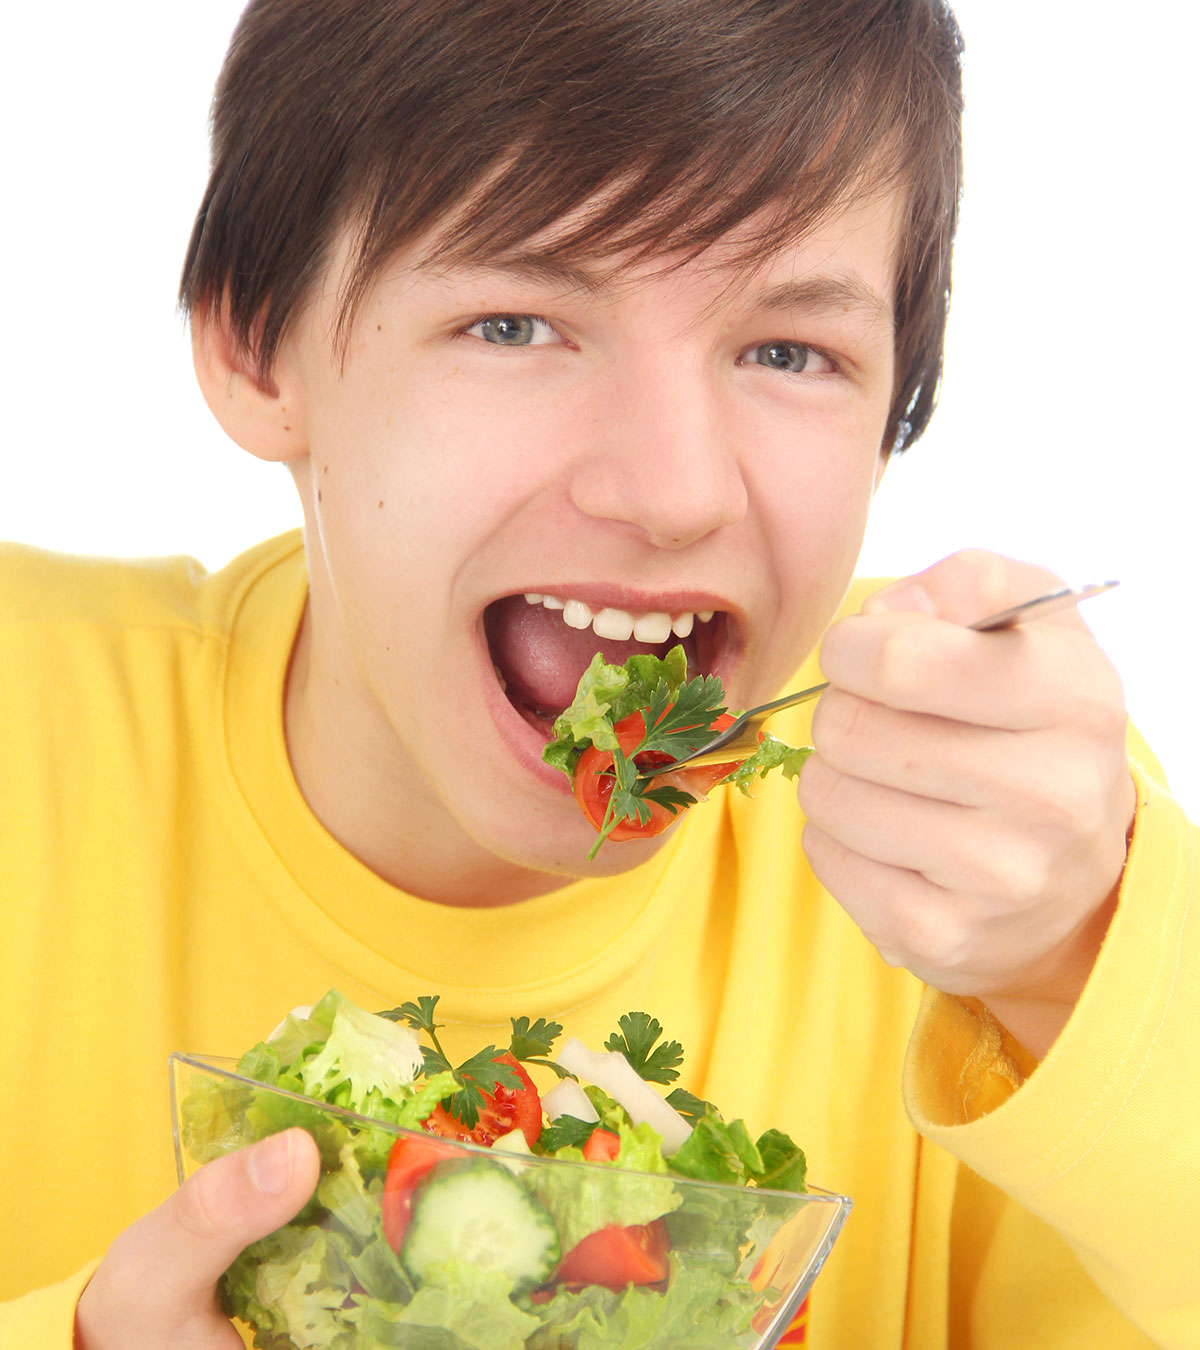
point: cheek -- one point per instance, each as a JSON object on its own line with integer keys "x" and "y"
{"x": 814, "y": 490}
{"x": 813, "y": 496}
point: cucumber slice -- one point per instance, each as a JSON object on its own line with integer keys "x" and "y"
{"x": 479, "y": 1212}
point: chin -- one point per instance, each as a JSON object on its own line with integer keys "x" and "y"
{"x": 551, "y": 847}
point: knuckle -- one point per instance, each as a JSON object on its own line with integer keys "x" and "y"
{"x": 993, "y": 581}
{"x": 1020, "y": 872}
{"x": 1069, "y": 802}
{"x": 200, "y": 1203}
{"x": 837, "y": 725}
{"x": 941, "y": 939}
{"x": 817, "y": 787}
{"x": 120, "y": 1281}
{"x": 986, "y": 577}
{"x": 1103, "y": 714}
{"x": 902, "y": 662}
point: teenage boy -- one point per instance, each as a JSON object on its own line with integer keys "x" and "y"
{"x": 626, "y": 304}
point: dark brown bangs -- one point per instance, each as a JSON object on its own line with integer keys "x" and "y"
{"x": 653, "y": 126}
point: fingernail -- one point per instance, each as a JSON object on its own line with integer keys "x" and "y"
{"x": 904, "y": 595}
{"x": 270, "y": 1164}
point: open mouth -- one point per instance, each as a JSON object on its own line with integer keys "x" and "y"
{"x": 540, "y": 645}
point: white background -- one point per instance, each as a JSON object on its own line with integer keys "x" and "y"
{"x": 1066, "y": 433}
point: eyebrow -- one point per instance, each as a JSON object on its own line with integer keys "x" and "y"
{"x": 542, "y": 271}
{"x": 847, "y": 291}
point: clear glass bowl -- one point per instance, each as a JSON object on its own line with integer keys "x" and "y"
{"x": 741, "y": 1259}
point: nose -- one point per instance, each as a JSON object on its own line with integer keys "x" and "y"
{"x": 662, "y": 458}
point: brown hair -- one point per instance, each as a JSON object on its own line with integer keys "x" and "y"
{"x": 672, "y": 121}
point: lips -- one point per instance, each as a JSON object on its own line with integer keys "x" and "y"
{"x": 541, "y": 644}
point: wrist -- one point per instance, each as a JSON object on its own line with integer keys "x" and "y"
{"x": 1036, "y": 1013}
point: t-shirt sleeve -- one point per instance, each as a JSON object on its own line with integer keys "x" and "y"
{"x": 45, "y": 1318}
{"x": 1099, "y": 1140}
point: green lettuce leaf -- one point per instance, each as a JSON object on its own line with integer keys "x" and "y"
{"x": 605, "y": 695}
{"x": 369, "y": 1053}
{"x": 771, "y": 754}
{"x": 723, "y": 1151}
{"x": 783, "y": 1163}
{"x": 581, "y": 1201}
{"x": 474, "y": 1305}
{"x": 698, "y": 1310}
{"x": 292, "y": 1284}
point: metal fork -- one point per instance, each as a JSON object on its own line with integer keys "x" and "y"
{"x": 740, "y": 738}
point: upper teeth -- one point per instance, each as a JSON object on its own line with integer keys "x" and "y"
{"x": 619, "y": 624}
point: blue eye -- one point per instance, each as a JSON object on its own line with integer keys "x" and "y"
{"x": 793, "y": 358}
{"x": 513, "y": 330}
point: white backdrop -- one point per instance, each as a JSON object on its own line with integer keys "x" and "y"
{"x": 1066, "y": 433}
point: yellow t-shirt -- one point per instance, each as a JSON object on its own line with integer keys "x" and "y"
{"x": 166, "y": 887}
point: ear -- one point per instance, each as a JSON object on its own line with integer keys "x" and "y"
{"x": 265, "y": 414}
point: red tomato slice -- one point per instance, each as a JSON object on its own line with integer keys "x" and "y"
{"x": 615, "y": 1257}
{"x": 504, "y": 1110}
{"x": 601, "y": 1146}
{"x": 593, "y": 781}
{"x": 409, "y": 1162}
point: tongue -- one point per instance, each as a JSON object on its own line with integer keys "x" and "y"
{"x": 541, "y": 658}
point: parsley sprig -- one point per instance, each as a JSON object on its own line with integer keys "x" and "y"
{"x": 675, "y": 723}
{"x": 678, "y": 716}
{"x": 637, "y": 1042}
{"x": 565, "y": 1132}
{"x": 483, "y": 1072}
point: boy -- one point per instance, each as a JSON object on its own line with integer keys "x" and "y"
{"x": 627, "y": 305}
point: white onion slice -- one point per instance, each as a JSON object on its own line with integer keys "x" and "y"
{"x": 613, "y": 1073}
{"x": 567, "y": 1098}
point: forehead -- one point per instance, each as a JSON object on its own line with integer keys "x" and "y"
{"x": 846, "y": 258}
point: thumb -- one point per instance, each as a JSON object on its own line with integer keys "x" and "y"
{"x": 230, "y": 1203}
{"x": 160, "y": 1274}
{"x": 908, "y": 594}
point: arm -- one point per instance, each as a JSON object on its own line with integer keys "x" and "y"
{"x": 1003, "y": 802}
{"x": 1100, "y": 1142}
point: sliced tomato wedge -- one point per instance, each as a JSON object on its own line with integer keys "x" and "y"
{"x": 616, "y": 1256}
{"x": 505, "y": 1110}
{"x": 593, "y": 780}
{"x": 411, "y": 1159}
{"x": 601, "y": 1146}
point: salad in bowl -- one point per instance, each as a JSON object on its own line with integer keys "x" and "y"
{"x": 460, "y": 1208}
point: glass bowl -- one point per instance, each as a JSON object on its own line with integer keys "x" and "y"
{"x": 740, "y": 1260}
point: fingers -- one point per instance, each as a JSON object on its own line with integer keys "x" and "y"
{"x": 978, "y": 942}
{"x": 1053, "y": 771}
{"x": 1010, "y": 679}
{"x": 156, "y": 1285}
{"x": 969, "y": 586}
{"x": 986, "y": 852}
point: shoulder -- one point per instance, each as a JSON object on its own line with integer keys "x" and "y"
{"x": 44, "y": 589}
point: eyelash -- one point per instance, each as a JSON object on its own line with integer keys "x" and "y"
{"x": 510, "y": 314}
{"x": 791, "y": 342}
{"x": 758, "y": 346}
